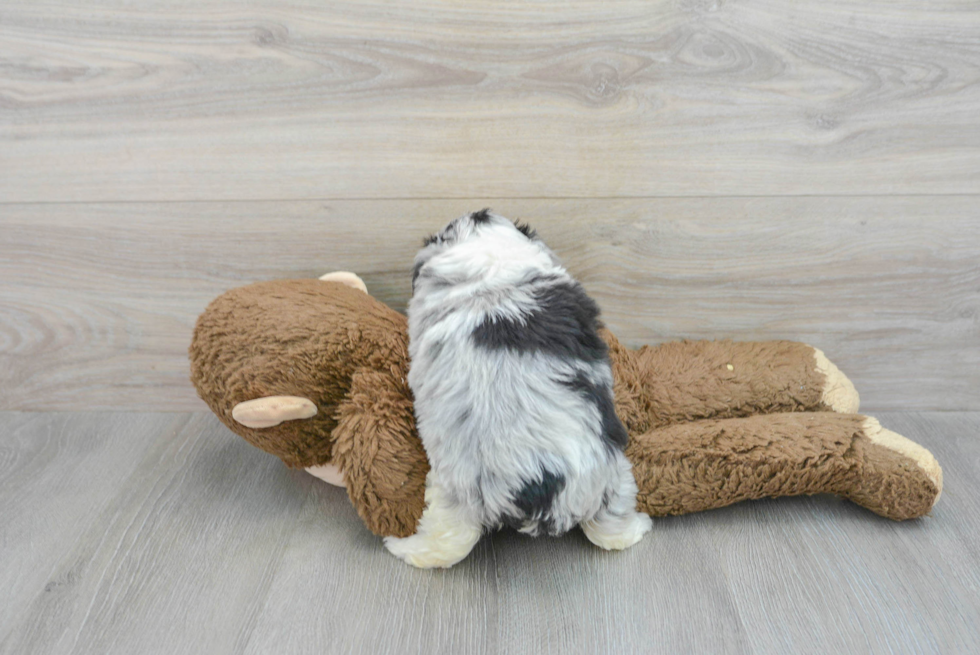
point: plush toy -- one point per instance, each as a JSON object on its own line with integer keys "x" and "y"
{"x": 313, "y": 371}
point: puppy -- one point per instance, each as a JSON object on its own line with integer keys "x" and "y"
{"x": 513, "y": 397}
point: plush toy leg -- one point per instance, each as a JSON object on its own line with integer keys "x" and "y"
{"x": 445, "y": 534}
{"x": 691, "y": 467}
{"x": 684, "y": 381}
{"x": 618, "y": 525}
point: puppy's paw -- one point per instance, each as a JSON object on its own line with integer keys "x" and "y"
{"x": 428, "y": 553}
{"x": 620, "y": 538}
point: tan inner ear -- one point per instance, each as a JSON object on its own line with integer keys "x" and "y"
{"x": 272, "y": 410}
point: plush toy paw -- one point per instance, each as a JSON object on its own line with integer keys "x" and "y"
{"x": 619, "y": 534}
{"x": 910, "y": 450}
{"x": 839, "y": 393}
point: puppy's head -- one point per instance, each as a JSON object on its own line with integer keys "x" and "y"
{"x": 483, "y": 222}
{"x": 474, "y": 237}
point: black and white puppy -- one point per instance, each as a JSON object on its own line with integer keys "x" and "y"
{"x": 513, "y": 397}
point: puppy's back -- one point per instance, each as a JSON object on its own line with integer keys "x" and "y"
{"x": 517, "y": 411}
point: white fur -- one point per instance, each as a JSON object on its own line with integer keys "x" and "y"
{"x": 445, "y": 534}
{"x": 491, "y": 420}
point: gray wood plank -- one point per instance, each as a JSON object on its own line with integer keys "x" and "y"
{"x": 58, "y": 474}
{"x": 164, "y": 533}
{"x": 106, "y": 100}
{"x": 97, "y": 301}
{"x": 829, "y": 578}
{"x": 147, "y": 571}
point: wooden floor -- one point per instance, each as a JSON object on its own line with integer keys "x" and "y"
{"x": 708, "y": 169}
{"x": 164, "y": 533}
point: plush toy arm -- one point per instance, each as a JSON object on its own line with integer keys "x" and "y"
{"x": 702, "y": 465}
{"x": 379, "y": 452}
{"x": 689, "y": 380}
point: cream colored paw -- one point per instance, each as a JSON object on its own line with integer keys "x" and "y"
{"x": 838, "y": 393}
{"x": 908, "y": 448}
{"x": 272, "y": 410}
{"x": 345, "y": 277}
{"x": 329, "y": 473}
{"x": 638, "y": 526}
{"x": 444, "y": 536}
{"x": 436, "y": 552}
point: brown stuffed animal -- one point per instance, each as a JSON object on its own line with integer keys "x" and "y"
{"x": 313, "y": 371}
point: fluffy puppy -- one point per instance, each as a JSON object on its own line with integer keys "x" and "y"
{"x": 513, "y": 397}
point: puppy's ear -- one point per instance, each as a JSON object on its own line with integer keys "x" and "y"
{"x": 415, "y": 273}
{"x": 526, "y": 230}
{"x": 482, "y": 216}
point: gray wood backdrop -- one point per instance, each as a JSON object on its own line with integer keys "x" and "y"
{"x": 752, "y": 170}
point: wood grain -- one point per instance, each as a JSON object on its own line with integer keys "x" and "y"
{"x": 165, "y": 533}
{"x": 143, "y": 553}
{"x": 97, "y": 301}
{"x": 105, "y": 100}
{"x": 708, "y": 169}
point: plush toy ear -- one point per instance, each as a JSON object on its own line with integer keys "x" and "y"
{"x": 345, "y": 277}
{"x": 270, "y": 411}
{"x": 378, "y": 450}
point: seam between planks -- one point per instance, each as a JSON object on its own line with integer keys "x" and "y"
{"x": 202, "y": 201}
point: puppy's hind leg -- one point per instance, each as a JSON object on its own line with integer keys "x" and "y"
{"x": 446, "y": 533}
{"x": 617, "y": 525}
